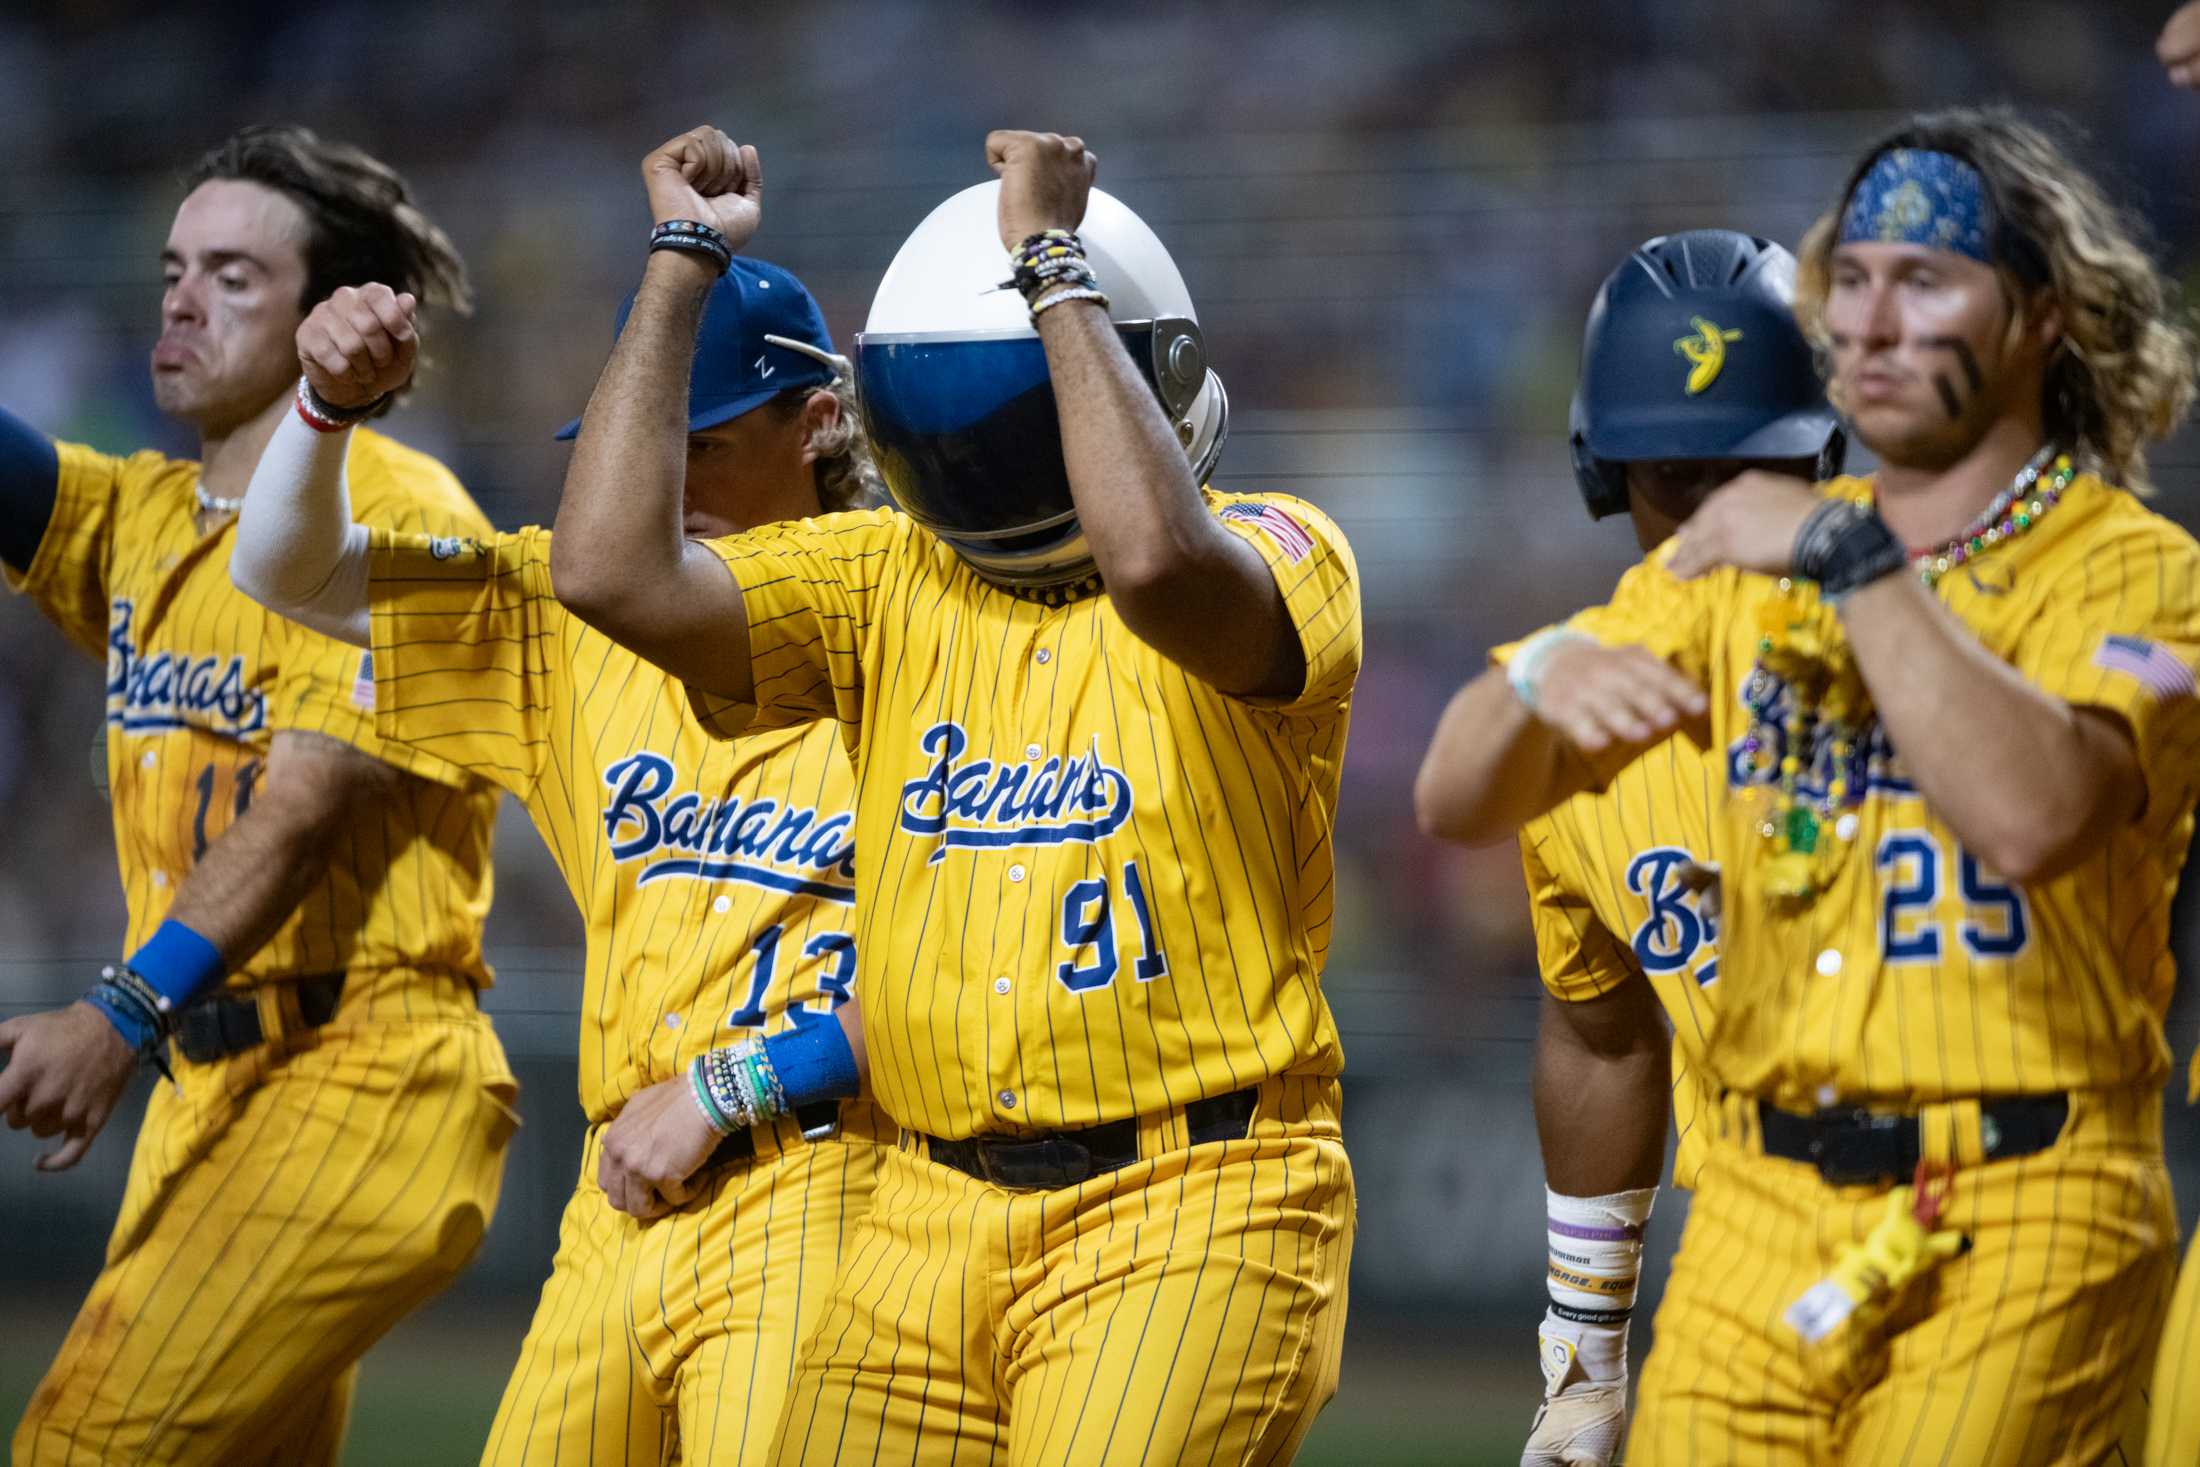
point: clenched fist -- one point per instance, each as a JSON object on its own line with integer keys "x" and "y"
{"x": 1045, "y": 180}
{"x": 704, "y": 175}
{"x": 2178, "y": 48}
{"x": 652, "y": 1151}
{"x": 359, "y": 344}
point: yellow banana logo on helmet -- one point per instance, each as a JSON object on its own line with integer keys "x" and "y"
{"x": 1706, "y": 352}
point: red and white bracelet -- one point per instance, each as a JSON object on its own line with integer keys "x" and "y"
{"x": 323, "y": 416}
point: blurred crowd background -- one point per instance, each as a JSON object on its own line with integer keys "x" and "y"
{"x": 1392, "y": 218}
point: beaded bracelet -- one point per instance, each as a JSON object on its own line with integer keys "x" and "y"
{"x": 694, "y": 237}
{"x": 738, "y": 1086}
{"x": 125, "y": 996}
{"x": 1845, "y": 546}
{"x": 1049, "y": 252}
{"x": 1071, "y": 293}
{"x": 712, "y": 1115}
{"x": 1050, "y": 259}
{"x": 323, "y": 416}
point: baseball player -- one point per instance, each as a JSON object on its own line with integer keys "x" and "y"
{"x": 717, "y": 879}
{"x": 1933, "y": 1222}
{"x": 305, "y": 901}
{"x": 1692, "y": 370}
{"x": 1097, "y": 715}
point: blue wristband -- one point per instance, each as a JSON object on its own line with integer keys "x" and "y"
{"x": 813, "y": 1063}
{"x": 135, "y": 1032}
{"x": 180, "y": 964}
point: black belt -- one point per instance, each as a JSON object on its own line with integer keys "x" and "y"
{"x": 1856, "y": 1147}
{"x": 1065, "y": 1158}
{"x": 815, "y": 1120}
{"x": 208, "y": 1029}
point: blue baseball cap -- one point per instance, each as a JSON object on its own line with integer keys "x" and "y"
{"x": 762, "y": 333}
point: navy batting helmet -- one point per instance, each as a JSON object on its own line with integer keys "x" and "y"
{"x": 1692, "y": 352}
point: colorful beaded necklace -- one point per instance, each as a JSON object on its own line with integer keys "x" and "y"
{"x": 1810, "y": 714}
{"x": 2010, "y": 515}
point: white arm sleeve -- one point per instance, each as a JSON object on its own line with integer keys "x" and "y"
{"x": 297, "y": 551}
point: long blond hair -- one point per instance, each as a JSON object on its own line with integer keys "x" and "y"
{"x": 847, "y": 478}
{"x": 2123, "y": 376}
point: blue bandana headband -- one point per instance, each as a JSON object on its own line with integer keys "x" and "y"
{"x": 1916, "y": 196}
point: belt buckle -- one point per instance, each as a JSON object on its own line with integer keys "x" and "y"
{"x": 1039, "y": 1165}
{"x": 1848, "y": 1146}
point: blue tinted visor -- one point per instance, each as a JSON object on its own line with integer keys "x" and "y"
{"x": 964, "y": 428}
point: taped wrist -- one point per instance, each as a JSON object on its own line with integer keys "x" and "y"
{"x": 1596, "y": 1263}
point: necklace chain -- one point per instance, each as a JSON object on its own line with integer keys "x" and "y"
{"x": 2013, "y": 513}
{"x": 214, "y": 503}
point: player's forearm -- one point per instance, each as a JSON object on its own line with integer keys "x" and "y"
{"x": 1601, "y": 1107}
{"x": 619, "y": 559}
{"x": 1186, "y": 586}
{"x": 254, "y": 875}
{"x": 1492, "y": 767}
{"x": 298, "y": 552}
{"x": 1972, "y": 733}
{"x": 30, "y": 474}
{"x": 252, "y": 878}
{"x": 618, "y": 528}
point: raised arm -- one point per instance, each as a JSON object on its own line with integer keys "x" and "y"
{"x": 1190, "y": 589}
{"x": 298, "y": 552}
{"x": 619, "y": 560}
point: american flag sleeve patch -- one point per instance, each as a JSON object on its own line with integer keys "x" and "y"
{"x": 362, "y": 685}
{"x": 1290, "y": 536}
{"x": 2160, "y": 671}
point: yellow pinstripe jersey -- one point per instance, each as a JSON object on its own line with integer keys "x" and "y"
{"x": 1918, "y": 974}
{"x": 1093, "y": 886}
{"x": 1605, "y": 894}
{"x": 200, "y": 679}
{"x": 717, "y": 879}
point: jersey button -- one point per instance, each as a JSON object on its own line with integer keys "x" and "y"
{"x": 1007, "y": 1099}
{"x": 147, "y": 761}
{"x": 723, "y": 904}
{"x": 1032, "y": 752}
{"x": 1829, "y": 963}
{"x": 1000, "y": 985}
{"x": 1043, "y": 657}
{"x": 1016, "y": 873}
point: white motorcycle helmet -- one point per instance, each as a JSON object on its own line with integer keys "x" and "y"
{"x": 955, "y": 394}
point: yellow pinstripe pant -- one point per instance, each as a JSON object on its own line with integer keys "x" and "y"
{"x": 1188, "y": 1308}
{"x": 673, "y": 1339}
{"x": 2173, "y": 1428}
{"x": 283, "y": 1211}
{"x": 2027, "y": 1349}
